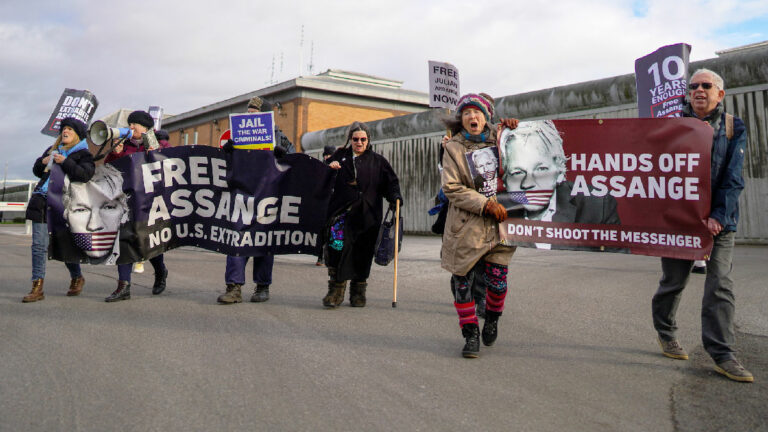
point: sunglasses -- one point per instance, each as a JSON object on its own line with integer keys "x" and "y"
{"x": 705, "y": 86}
{"x": 362, "y": 140}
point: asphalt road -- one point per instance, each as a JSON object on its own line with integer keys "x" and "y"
{"x": 576, "y": 351}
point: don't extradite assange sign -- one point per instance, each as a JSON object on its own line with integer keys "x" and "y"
{"x": 238, "y": 203}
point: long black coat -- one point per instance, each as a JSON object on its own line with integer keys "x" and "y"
{"x": 361, "y": 185}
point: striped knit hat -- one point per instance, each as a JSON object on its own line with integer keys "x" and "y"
{"x": 476, "y": 101}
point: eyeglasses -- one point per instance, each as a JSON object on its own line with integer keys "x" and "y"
{"x": 705, "y": 86}
{"x": 362, "y": 140}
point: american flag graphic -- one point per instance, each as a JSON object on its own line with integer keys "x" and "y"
{"x": 95, "y": 241}
{"x": 534, "y": 197}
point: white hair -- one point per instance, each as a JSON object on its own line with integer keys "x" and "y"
{"x": 717, "y": 79}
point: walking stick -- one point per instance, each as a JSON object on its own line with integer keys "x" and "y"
{"x": 397, "y": 242}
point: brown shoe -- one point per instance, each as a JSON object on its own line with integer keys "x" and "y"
{"x": 36, "y": 293}
{"x": 673, "y": 349}
{"x": 357, "y": 293}
{"x": 232, "y": 296}
{"x": 734, "y": 370}
{"x": 76, "y": 286}
{"x": 335, "y": 294}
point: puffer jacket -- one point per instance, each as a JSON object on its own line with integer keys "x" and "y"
{"x": 468, "y": 235}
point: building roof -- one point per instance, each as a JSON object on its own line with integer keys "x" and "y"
{"x": 331, "y": 81}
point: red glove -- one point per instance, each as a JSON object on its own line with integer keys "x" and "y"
{"x": 495, "y": 211}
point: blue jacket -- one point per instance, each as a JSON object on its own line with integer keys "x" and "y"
{"x": 726, "y": 179}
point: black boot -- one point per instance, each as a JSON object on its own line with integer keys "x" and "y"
{"x": 159, "y": 285}
{"x": 490, "y": 328}
{"x": 260, "y": 294}
{"x": 123, "y": 292}
{"x": 472, "y": 335}
{"x": 357, "y": 293}
{"x": 335, "y": 295}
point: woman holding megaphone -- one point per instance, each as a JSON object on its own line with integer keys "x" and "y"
{"x": 140, "y": 123}
{"x": 70, "y": 151}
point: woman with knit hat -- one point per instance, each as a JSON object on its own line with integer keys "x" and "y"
{"x": 70, "y": 151}
{"x": 140, "y": 122}
{"x": 472, "y": 249}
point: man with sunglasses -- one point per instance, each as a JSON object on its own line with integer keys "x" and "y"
{"x": 706, "y": 92}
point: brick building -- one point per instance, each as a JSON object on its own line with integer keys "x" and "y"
{"x": 304, "y": 104}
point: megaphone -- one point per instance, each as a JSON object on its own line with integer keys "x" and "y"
{"x": 100, "y": 133}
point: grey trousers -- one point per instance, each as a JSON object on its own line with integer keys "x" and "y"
{"x": 717, "y": 306}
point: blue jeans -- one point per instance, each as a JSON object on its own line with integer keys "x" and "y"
{"x": 717, "y": 304}
{"x": 40, "y": 253}
{"x": 262, "y": 269}
{"x": 124, "y": 270}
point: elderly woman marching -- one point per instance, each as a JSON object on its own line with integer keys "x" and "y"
{"x": 70, "y": 151}
{"x": 471, "y": 243}
{"x": 363, "y": 179}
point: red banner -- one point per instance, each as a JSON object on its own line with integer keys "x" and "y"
{"x": 637, "y": 186}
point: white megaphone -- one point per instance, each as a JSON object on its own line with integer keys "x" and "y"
{"x": 100, "y": 133}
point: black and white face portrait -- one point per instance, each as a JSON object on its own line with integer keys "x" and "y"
{"x": 486, "y": 164}
{"x": 95, "y": 210}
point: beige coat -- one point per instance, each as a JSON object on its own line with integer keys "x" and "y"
{"x": 468, "y": 235}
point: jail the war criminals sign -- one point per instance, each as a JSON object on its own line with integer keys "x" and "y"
{"x": 239, "y": 203}
{"x": 254, "y": 131}
{"x": 640, "y": 186}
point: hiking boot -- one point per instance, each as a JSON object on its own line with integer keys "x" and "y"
{"x": 673, "y": 349}
{"x": 76, "y": 286}
{"x": 123, "y": 292}
{"x": 335, "y": 295}
{"x": 233, "y": 295}
{"x": 159, "y": 285}
{"x": 490, "y": 328}
{"x": 36, "y": 293}
{"x": 734, "y": 370}
{"x": 260, "y": 294}
{"x": 471, "y": 334}
{"x": 357, "y": 293}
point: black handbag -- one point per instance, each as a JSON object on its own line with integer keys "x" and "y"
{"x": 385, "y": 243}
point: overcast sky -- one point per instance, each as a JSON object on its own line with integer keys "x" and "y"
{"x": 182, "y": 55}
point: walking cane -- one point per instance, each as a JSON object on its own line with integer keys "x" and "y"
{"x": 397, "y": 242}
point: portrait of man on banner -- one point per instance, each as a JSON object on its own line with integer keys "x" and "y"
{"x": 484, "y": 167}
{"x": 94, "y": 212}
{"x": 533, "y": 180}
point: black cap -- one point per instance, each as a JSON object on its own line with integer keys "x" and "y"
{"x": 143, "y": 118}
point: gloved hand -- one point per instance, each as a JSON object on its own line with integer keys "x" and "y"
{"x": 228, "y": 146}
{"x": 392, "y": 204}
{"x": 495, "y": 211}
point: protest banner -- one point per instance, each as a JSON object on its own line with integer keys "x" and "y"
{"x": 80, "y": 104}
{"x": 661, "y": 81}
{"x": 253, "y": 131}
{"x": 444, "y": 89}
{"x": 622, "y": 185}
{"x": 239, "y": 203}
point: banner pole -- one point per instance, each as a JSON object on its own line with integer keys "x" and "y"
{"x": 397, "y": 242}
